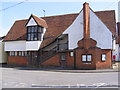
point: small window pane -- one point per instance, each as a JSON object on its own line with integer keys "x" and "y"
{"x": 35, "y": 36}
{"x": 63, "y": 56}
{"x": 71, "y": 54}
{"x": 39, "y": 36}
{"x": 103, "y": 57}
{"x": 25, "y": 53}
{"x": 20, "y": 54}
{"x": 32, "y": 36}
{"x": 35, "y": 29}
{"x": 89, "y": 58}
{"x": 29, "y": 29}
{"x": 28, "y": 36}
{"x": 15, "y": 53}
{"x": 84, "y": 58}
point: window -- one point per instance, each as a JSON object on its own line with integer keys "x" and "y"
{"x": 86, "y": 57}
{"x": 13, "y": 53}
{"x": 89, "y": 57}
{"x": 22, "y": 53}
{"x": 63, "y": 56}
{"x": 103, "y": 57}
{"x": 71, "y": 54}
{"x": 25, "y": 53}
{"x": 34, "y": 33}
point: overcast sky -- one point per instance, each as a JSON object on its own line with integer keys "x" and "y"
{"x": 12, "y": 11}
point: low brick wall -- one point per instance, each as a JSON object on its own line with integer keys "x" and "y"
{"x": 17, "y": 60}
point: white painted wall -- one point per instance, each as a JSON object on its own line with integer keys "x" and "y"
{"x": 24, "y": 45}
{"x": 33, "y": 45}
{"x": 99, "y": 32}
{"x": 3, "y": 54}
{"x": 75, "y": 31}
{"x": 15, "y": 46}
{"x": 116, "y": 52}
{"x": 31, "y": 22}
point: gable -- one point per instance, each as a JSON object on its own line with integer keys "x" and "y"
{"x": 31, "y": 22}
{"x": 100, "y": 32}
{"x": 75, "y": 31}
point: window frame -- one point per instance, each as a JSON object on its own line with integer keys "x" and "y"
{"x": 102, "y": 57}
{"x": 33, "y": 33}
{"x": 61, "y": 56}
{"x": 71, "y": 54}
{"x": 85, "y": 57}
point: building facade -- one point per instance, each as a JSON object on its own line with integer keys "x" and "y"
{"x": 116, "y": 52}
{"x": 83, "y": 40}
{"x": 3, "y": 54}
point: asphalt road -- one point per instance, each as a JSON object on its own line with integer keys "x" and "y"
{"x": 14, "y": 78}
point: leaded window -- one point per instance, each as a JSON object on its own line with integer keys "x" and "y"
{"x": 34, "y": 33}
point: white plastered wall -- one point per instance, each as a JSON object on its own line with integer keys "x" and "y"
{"x": 3, "y": 54}
{"x": 98, "y": 32}
{"x": 75, "y": 31}
{"x": 31, "y": 22}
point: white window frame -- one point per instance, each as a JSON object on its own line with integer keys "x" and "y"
{"x": 87, "y": 58}
{"x": 84, "y": 58}
{"x": 103, "y": 57}
{"x": 15, "y": 53}
{"x": 71, "y": 53}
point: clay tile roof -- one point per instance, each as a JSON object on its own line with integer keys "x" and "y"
{"x": 17, "y": 30}
{"x": 57, "y": 25}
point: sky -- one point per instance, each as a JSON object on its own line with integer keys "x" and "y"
{"x": 10, "y": 11}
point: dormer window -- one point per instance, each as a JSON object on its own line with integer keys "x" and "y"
{"x": 35, "y": 27}
{"x": 34, "y": 33}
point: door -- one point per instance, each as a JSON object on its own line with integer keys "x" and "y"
{"x": 32, "y": 59}
{"x": 63, "y": 58}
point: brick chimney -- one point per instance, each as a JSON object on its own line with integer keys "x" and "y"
{"x": 86, "y": 19}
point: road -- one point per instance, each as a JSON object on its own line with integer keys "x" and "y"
{"x": 14, "y": 78}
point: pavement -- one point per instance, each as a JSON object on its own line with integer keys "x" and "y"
{"x": 19, "y": 77}
{"x": 64, "y": 70}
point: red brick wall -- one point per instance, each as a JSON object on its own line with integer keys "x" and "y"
{"x": 104, "y": 64}
{"x": 17, "y": 60}
{"x": 96, "y": 62}
{"x": 80, "y": 64}
{"x": 52, "y": 62}
{"x": 70, "y": 61}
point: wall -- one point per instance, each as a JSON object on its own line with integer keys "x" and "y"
{"x": 15, "y": 46}
{"x": 99, "y": 32}
{"x": 32, "y": 45}
{"x": 52, "y": 62}
{"x": 3, "y": 55}
{"x": 70, "y": 61}
{"x": 17, "y": 60}
{"x": 31, "y": 22}
{"x": 75, "y": 31}
{"x": 116, "y": 52}
{"x": 104, "y": 64}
